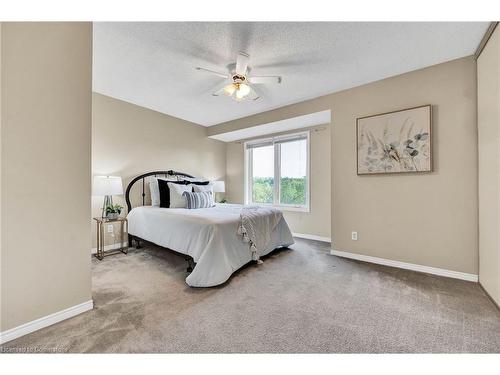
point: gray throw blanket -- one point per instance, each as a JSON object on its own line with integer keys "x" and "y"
{"x": 256, "y": 226}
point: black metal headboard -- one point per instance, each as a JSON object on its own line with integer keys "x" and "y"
{"x": 143, "y": 176}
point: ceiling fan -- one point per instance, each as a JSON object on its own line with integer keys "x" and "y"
{"x": 241, "y": 85}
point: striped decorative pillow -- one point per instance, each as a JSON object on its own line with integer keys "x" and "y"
{"x": 203, "y": 199}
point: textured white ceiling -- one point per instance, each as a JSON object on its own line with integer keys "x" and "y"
{"x": 153, "y": 64}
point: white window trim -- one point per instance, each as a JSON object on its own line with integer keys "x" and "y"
{"x": 277, "y": 166}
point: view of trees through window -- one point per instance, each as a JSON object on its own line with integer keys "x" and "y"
{"x": 263, "y": 189}
{"x": 292, "y": 190}
{"x": 292, "y": 173}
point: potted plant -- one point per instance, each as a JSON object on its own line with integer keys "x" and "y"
{"x": 113, "y": 211}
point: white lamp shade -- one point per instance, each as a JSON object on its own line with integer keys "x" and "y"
{"x": 107, "y": 185}
{"x": 219, "y": 187}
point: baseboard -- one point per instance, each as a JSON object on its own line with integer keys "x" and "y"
{"x": 489, "y": 295}
{"x": 312, "y": 237}
{"x": 113, "y": 246}
{"x": 408, "y": 266}
{"x": 46, "y": 321}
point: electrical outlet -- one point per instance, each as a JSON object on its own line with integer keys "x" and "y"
{"x": 110, "y": 228}
{"x": 354, "y": 236}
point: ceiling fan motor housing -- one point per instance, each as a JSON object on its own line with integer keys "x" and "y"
{"x": 239, "y": 78}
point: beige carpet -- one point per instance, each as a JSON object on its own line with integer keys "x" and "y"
{"x": 300, "y": 300}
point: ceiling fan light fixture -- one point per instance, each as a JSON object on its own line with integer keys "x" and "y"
{"x": 230, "y": 89}
{"x": 243, "y": 90}
{"x": 237, "y": 90}
{"x": 239, "y": 96}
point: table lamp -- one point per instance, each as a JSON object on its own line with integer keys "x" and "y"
{"x": 107, "y": 186}
{"x": 219, "y": 187}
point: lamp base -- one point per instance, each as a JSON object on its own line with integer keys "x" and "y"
{"x": 108, "y": 201}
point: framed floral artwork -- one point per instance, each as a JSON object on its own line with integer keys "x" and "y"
{"x": 395, "y": 142}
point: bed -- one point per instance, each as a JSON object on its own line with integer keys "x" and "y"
{"x": 207, "y": 238}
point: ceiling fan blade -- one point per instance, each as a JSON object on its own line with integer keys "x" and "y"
{"x": 222, "y": 75}
{"x": 254, "y": 94}
{"x": 219, "y": 92}
{"x": 242, "y": 63}
{"x": 219, "y": 89}
{"x": 265, "y": 79}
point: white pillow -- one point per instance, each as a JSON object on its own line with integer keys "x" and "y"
{"x": 203, "y": 188}
{"x": 191, "y": 179}
{"x": 177, "y": 200}
{"x": 154, "y": 189}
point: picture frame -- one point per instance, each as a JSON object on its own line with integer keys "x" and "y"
{"x": 395, "y": 142}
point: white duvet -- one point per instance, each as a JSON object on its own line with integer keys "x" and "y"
{"x": 208, "y": 235}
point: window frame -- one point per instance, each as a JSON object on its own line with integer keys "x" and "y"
{"x": 275, "y": 141}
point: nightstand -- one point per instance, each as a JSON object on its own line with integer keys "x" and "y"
{"x": 101, "y": 221}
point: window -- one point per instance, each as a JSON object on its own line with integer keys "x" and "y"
{"x": 277, "y": 172}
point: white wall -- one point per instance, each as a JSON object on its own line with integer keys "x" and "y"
{"x": 427, "y": 219}
{"x": 488, "y": 75}
{"x": 45, "y": 172}
{"x": 129, "y": 140}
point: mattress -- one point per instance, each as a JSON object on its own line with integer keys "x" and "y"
{"x": 208, "y": 235}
